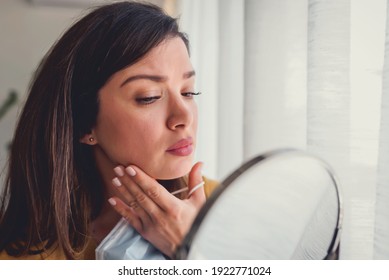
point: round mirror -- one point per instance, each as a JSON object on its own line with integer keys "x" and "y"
{"x": 281, "y": 205}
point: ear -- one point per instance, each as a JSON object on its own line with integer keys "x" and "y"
{"x": 88, "y": 139}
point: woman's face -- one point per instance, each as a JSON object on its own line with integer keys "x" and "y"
{"x": 148, "y": 115}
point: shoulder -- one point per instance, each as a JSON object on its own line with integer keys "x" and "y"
{"x": 209, "y": 186}
{"x": 5, "y": 256}
{"x": 53, "y": 253}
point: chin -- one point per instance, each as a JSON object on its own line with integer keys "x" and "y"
{"x": 170, "y": 173}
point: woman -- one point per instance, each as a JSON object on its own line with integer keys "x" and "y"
{"x": 110, "y": 111}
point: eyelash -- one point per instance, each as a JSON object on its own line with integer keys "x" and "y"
{"x": 190, "y": 94}
{"x": 147, "y": 100}
{"x": 152, "y": 99}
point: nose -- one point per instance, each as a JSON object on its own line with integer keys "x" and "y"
{"x": 181, "y": 112}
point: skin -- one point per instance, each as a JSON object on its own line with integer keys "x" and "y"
{"x": 144, "y": 110}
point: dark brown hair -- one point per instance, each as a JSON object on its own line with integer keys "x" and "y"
{"x": 53, "y": 189}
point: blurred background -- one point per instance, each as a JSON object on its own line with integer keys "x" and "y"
{"x": 308, "y": 74}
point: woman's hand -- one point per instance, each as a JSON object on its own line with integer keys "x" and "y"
{"x": 156, "y": 214}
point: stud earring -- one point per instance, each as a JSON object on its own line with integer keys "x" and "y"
{"x": 91, "y": 139}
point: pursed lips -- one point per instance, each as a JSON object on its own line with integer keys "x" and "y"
{"x": 183, "y": 147}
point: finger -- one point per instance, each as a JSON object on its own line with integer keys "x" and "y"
{"x": 196, "y": 183}
{"x": 146, "y": 192}
{"x": 125, "y": 194}
{"x": 154, "y": 191}
{"x": 127, "y": 189}
{"x": 117, "y": 182}
{"x": 127, "y": 213}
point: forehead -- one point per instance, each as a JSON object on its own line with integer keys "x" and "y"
{"x": 169, "y": 59}
{"x": 171, "y": 52}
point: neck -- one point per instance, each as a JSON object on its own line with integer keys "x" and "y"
{"x": 108, "y": 217}
{"x": 104, "y": 223}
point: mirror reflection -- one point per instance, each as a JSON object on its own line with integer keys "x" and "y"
{"x": 280, "y": 205}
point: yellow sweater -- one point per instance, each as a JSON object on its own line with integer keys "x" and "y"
{"x": 89, "y": 253}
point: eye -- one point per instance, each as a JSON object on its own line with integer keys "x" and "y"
{"x": 147, "y": 100}
{"x": 190, "y": 94}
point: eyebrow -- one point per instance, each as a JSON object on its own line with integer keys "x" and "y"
{"x": 155, "y": 78}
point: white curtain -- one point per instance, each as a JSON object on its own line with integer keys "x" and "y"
{"x": 381, "y": 231}
{"x": 308, "y": 74}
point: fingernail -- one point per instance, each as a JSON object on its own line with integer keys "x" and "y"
{"x": 116, "y": 182}
{"x": 112, "y": 201}
{"x": 131, "y": 171}
{"x": 118, "y": 171}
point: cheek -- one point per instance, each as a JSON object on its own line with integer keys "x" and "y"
{"x": 128, "y": 139}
